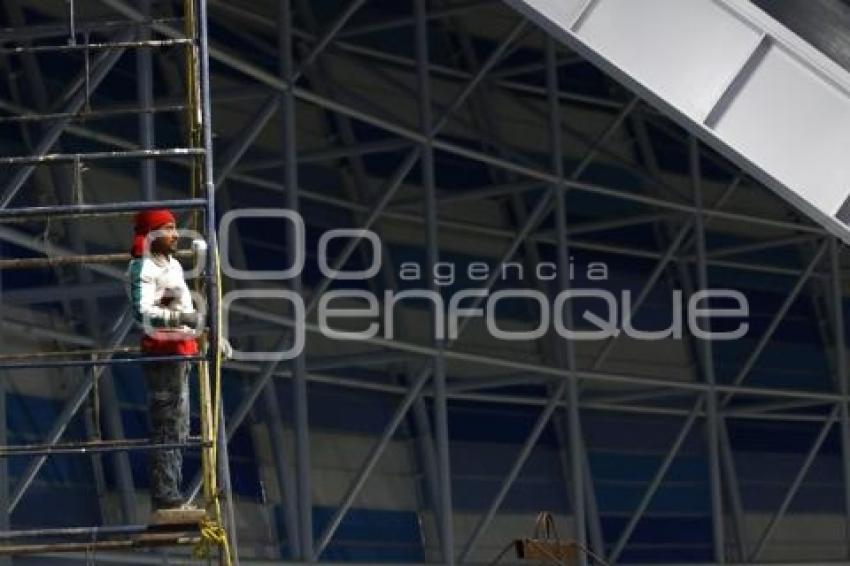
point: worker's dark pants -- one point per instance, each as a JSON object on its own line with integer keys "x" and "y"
{"x": 168, "y": 412}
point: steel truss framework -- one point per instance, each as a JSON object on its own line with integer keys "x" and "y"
{"x": 298, "y": 47}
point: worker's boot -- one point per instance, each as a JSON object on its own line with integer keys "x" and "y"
{"x": 175, "y": 513}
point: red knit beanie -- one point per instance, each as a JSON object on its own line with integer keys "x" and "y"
{"x": 146, "y": 222}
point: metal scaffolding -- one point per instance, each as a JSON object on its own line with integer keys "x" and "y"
{"x": 293, "y": 79}
{"x": 99, "y": 58}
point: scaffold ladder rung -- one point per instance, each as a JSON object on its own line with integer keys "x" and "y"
{"x": 87, "y": 447}
{"x": 101, "y": 156}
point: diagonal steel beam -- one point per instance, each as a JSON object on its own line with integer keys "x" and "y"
{"x": 668, "y": 256}
{"x": 776, "y": 320}
{"x": 330, "y": 33}
{"x": 524, "y": 452}
{"x": 237, "y": 148}
{"x": 369, "y": 464}
{"x": 645, "y": 291}
{"x": 436, "y": 14}
{"x": 652, "y": 489}
{"x": 759, "y": 246}
{"x": 795, "y": 485}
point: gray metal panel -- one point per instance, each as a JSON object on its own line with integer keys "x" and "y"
{"x": 564, "y": 13}
{"x": 796, "y": 126}
{"x": 689, "y": 63}
{"x": 733, "y": 76}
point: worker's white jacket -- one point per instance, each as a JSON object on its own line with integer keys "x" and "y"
{"x": 158, "y": 293}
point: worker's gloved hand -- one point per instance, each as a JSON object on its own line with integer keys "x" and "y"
{"x": 194, "y": 320}
{"x": 226, "y": 349}
{"x": 199, "y": 247}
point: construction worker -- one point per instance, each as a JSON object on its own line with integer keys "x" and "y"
{"x": 162, "y": 303}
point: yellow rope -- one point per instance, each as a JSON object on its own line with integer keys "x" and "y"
{"x": 213, "y": 533}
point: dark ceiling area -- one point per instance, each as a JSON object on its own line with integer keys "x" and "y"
{"x": 823, "y": 23}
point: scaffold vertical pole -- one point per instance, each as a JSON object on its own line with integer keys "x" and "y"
{"x": 841, "y": 365}
{"x": 707, "y": 360}
{"x": 213, "y": 282}
{"x": 441, "y": 427}
{"x": 4, "y": 464}
{"x": 299, "y": 370}
{"x": 144, "y": 87}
